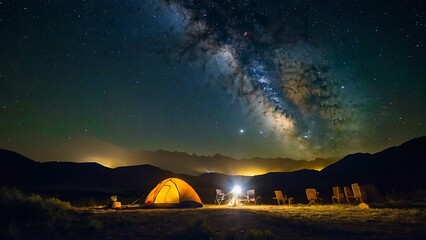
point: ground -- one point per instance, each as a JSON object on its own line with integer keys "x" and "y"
{"x": 245, "y": 222}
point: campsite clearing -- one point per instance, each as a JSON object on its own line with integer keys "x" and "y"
{"x": 246, "y": 222}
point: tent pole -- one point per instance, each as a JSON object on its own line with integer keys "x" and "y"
{"x": 137, "y": 199}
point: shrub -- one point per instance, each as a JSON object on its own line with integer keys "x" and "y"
{"x": 18, "y": 207}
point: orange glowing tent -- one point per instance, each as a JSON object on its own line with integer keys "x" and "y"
{"x": 173, "y": 192}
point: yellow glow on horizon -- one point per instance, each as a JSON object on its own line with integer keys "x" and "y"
{"x": 241, "y": 171}
{"x": 318, "y": 168}
{"x": 251, "y": 171}
{"x": 104, "y": 161}
{"x": 255, "y": 171}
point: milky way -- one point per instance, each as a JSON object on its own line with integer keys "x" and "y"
{"x": 265, "y": 55}
{"x": 273, "y": 78}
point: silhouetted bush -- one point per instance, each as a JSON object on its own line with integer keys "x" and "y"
{"x": 18, "y": 207}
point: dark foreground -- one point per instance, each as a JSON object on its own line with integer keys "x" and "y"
{"x": 247, "y": 222}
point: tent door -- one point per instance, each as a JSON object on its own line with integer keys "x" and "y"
{"x": 168, "y": 194}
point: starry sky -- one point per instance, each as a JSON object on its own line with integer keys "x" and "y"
{"x": 87, "y": 80}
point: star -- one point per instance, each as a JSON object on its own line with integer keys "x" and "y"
{"x": 148, "y": 79}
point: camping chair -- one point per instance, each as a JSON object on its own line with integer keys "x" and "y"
{"x": 312, "y": 195}
{"x": 349, "y": 194}
{"x": 357, "y": 192}
{"x": 282, "y": 198}
{"x": 337, "y": 195}
{"x": 220, "y": 196}
{"x": 251, "y": 196}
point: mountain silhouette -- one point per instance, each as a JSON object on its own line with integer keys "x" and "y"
{"x": 396, "y": 169}
{"x": 193, "y": 164}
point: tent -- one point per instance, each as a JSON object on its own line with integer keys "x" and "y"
{"x": 173, "y": 192}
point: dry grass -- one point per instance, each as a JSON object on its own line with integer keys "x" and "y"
{"x": 267, "y": 222}
{"x": 246, "y": 222}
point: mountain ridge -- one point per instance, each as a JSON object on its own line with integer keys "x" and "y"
{"x": 193, "y": 164}
{"x": 398, "y": 168}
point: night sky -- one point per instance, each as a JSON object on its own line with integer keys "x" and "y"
{"x": 95, "y": 80}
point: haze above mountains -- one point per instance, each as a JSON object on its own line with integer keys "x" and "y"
{"x": 181, "y": 162}
{"x": 88, "y": 149}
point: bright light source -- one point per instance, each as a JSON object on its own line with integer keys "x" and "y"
{"x": 236, "y": 190}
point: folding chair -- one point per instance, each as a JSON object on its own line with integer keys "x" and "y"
{"x": 220, "y": 197}
{"x": 311, "y": 195}
{"x": 337, "y": 195}
{"x": 282, "y": 198}
{"x": 349, "y": 195}
{"x": 357, "y": 192}
{"x": 251, "y": 196}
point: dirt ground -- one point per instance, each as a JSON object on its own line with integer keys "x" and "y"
{"x": 245, "y": 222}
